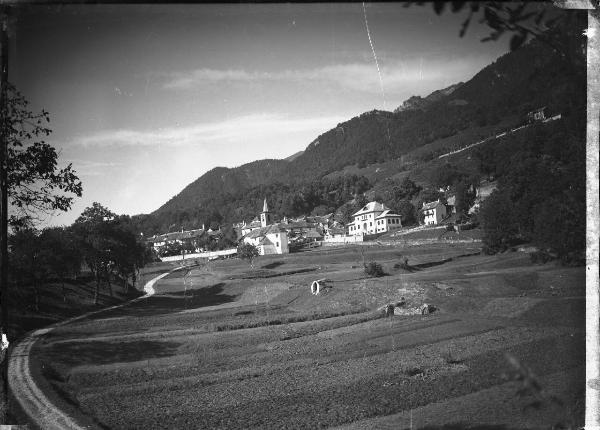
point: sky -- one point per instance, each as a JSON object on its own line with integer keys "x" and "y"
{"x": 144, "y": 99}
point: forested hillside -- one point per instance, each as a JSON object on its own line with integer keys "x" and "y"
{"x": 499, "y": 95}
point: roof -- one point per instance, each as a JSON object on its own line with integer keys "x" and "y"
{"x": 265, "y": 206}
{"x": 265, "y": 241}
{"x": 537, "y": 110}
{"x": 255, "y": 223}
{"x": 372, "y": 207}
{"x": 431, "y": 205}
{"x": 313, "y": 234}
{"x": 177, "y": 235}
{"x": 321, "y": 218}
{"x": 387, "y": 213}
{"x": 299, "y": 224}
{"x": 263, "y": 231}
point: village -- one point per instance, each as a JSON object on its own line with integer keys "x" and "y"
{"x": 271, "y": 235}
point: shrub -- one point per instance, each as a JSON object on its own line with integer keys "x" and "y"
{"x": 540, "y": 257}
{"x": 247, "y": 251}
{"x": 403, "y": 263}
{"x": 374, "y": 269}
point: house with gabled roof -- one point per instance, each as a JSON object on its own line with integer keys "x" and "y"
{"x": 374, "y": 218}
{"x": 387, "y": 221}
{"x": 434, "y": 212}
{"x": 268, "y": 237}
{"x": 252, "y": 225}
{"x": 183, "y": 236}
{"x": 271, "y": 239}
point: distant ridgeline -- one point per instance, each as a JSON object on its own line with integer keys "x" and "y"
{"x": 500, "y": 95}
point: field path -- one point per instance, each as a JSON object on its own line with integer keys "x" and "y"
{"x": 38, "y": 408}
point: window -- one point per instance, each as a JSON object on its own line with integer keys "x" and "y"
{"x": 371, "y": 224}
{"x": 277, "y": 244}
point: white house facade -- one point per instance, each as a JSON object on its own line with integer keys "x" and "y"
{"x": 434, "y": 212}
{"x": 374, "y": 218}
{"x": 269, "y": 238}
{"x": 388, "y": 221}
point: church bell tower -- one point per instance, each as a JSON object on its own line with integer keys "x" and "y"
{"x": 265, "y": 217}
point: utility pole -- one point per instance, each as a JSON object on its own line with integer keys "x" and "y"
{"x": 4, "y": 12}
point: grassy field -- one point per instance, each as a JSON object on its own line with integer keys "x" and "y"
{"x": 224, "y": 345}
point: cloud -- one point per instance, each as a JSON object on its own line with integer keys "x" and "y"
{"x": 250, "y": 128}
{"x": 92, "y": 168}
{"x": 396, "y": 75}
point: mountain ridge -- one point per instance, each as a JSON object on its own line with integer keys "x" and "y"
{"x": 505, "y": 90}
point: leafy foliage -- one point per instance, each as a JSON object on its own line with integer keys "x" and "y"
{"x": 522, "y": 20}
{"x": 108, "y": 245}
{"x": 248, "y": 252}
{"x": 541, "y": 191}
{"x": 35, "y": 183}
{"x": 284, "y": 200}
{"x": 374, "y": 269}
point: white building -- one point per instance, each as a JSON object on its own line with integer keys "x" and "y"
{"x": 266, "y": 218}
{"x": 374, "y": 218}
{"x": 387, "y": 221}
{"x": 269, "y": 238}
{"x": 434, "y": 212}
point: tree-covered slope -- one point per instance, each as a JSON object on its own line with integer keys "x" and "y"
{"x": 500, "y": 95}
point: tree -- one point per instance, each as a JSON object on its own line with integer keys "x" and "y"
{"x": 109, "y": 246}
{"x": 228, "y": 237}
{"x": 500, "y": 227}
{"x": 126, "y": 253}
{"x": 407, "y": 211}
{"x": 247, "y": 251}
{"x": 465, "y": 196}
{"x": 428, "y": 195}
{"x": 521, "y": 20}
{"x": 446, "y": 175}
{"x": 406, "y": 190}
{"x": 59, "y": 254}
{"x": 560, "y": 227}
{"x": 35, "y": 183}
{"x": 92, "y": 227}
{"x": 346, "y": 212}
{"x": 24, "y": 259}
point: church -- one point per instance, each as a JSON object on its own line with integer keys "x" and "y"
{"x": 269, "y": 237}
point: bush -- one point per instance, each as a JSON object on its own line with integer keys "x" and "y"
{"x": 374, "y": 269}
{"x": 403, "y": 264}
{"x": 540, "y": 257}
{"x": 247, "y": 251}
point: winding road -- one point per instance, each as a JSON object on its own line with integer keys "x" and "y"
{"x": 38, "y": 408}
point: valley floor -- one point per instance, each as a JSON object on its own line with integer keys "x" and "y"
{"x": 229, "y": 346}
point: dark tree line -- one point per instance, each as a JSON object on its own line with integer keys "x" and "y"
{"x": 541, "y": 191}
{"x": 99, "y": 240}
{"x": 317, "y": 197}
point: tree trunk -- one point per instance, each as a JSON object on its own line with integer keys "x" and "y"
{"x": 36, "y": 296}
{"x": 110, "y": 291}
{"x": 64, "y": 291}
{"x": 97, "y": 288}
